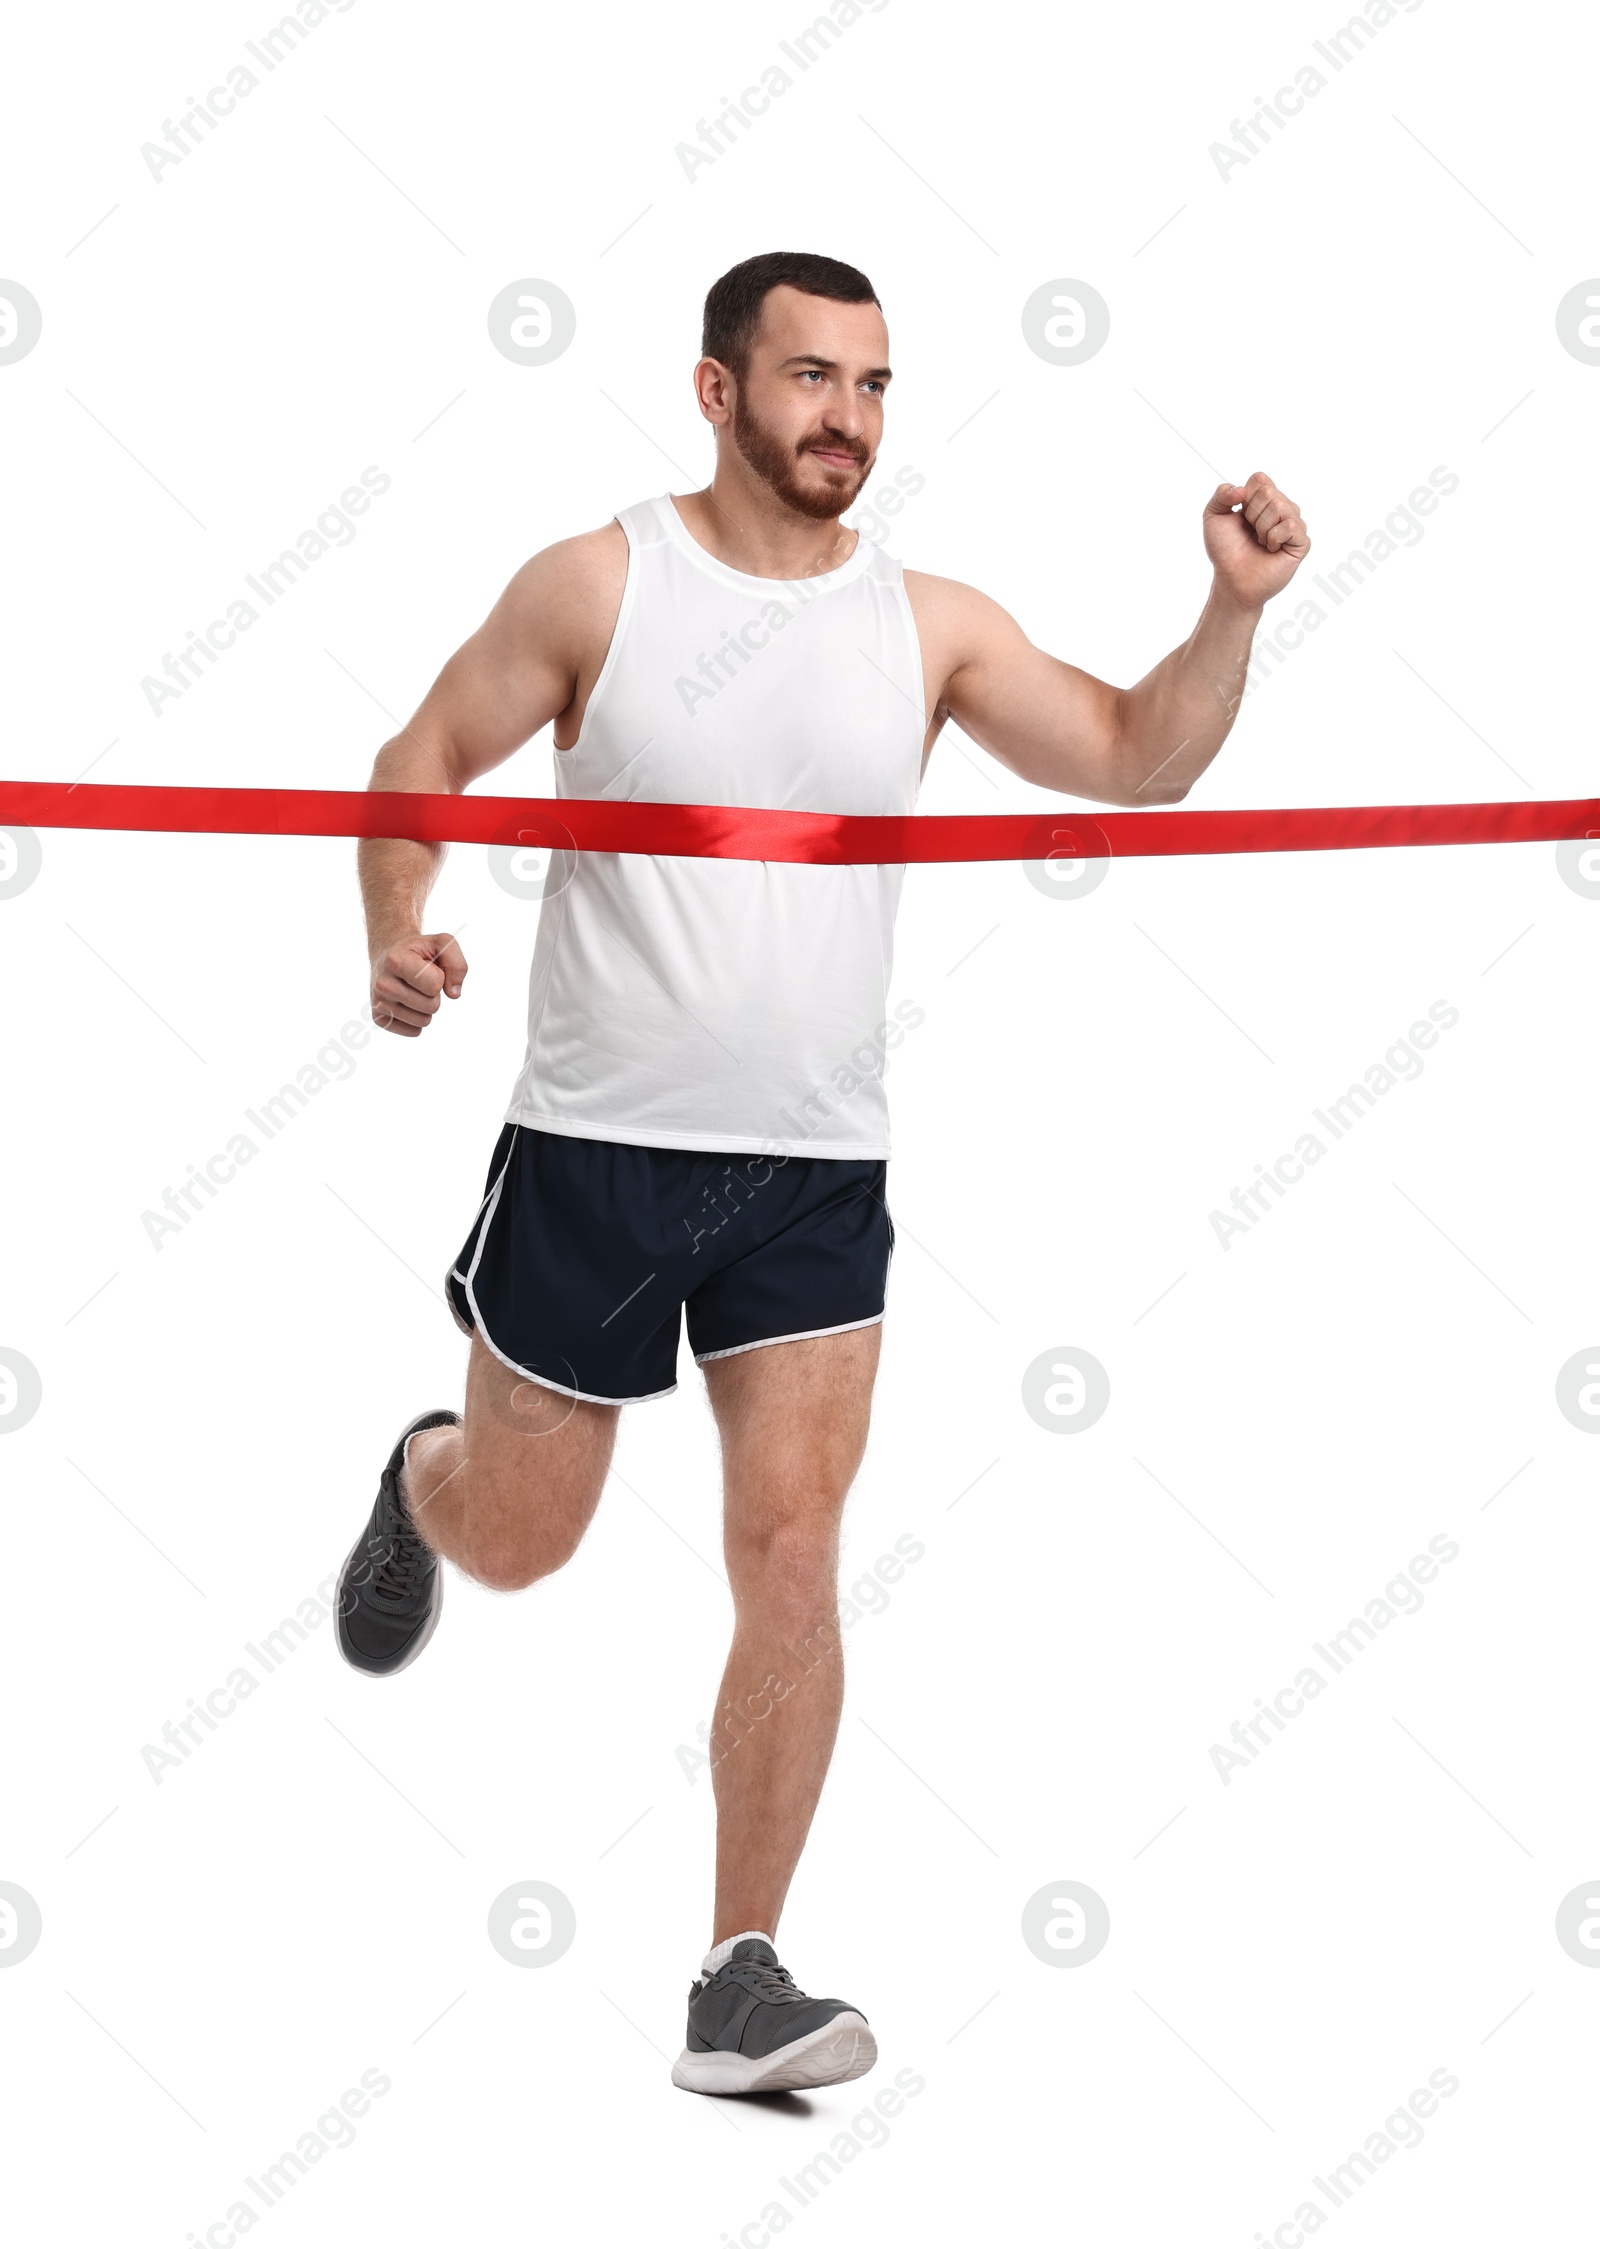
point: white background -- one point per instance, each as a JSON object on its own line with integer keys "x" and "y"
{"x": 1292, "y": 1418}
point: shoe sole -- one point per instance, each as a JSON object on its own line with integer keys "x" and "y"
{"x": 839, "y": 2051}
{"x": 353, "y": 1658}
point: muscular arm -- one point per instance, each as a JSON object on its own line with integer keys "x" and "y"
{"x": 522, "y": 668}
{"x": 1063, "y": 729}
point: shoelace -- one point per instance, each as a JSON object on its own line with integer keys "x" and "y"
{"x": 774, "y": 1985}
{"x": 395, "y": 1572}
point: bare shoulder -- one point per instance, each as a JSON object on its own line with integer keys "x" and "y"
{"x": 947, "y": 608}
{"x": 958, "y": 627}
{"x": 575, "y": 584}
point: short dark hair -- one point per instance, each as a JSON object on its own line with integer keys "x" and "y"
{"x": 733, "y": 304}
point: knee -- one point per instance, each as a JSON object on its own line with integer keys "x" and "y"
{"x": 789, "y": 1564}
{"x": 509, "y": 1557}
{"x": 509, "y": 1546}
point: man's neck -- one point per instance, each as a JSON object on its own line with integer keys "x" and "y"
{"x": 750, "y": 529}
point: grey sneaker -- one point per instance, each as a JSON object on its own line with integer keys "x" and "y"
{"x": 752, "y": 2030}
{"x": 390, "y": 1588}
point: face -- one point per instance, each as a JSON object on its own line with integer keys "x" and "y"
{"x": 807, "y": 415}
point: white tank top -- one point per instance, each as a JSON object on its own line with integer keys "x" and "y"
{"x": 729, "y": 1003}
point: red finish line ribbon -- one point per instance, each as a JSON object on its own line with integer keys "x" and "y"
{"x": 715, "y": 831}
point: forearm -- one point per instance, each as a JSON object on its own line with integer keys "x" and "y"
{"x": 1172, "y": 724}
{"x": 397, "y": 876}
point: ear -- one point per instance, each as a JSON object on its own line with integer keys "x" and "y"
{"x": 714, "y": 388}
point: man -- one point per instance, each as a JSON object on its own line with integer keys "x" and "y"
{"x": 700, "y": 1120}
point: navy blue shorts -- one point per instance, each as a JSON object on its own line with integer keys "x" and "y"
{"x": 585, "y": 1252}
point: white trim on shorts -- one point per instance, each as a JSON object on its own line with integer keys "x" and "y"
{"x": 485, "y": 1219}
{"x": 806, "y": 1335}
{"x": 588, "y": 1397}
{"x": 481, "y": 1225}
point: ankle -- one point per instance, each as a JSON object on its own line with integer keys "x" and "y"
{"x": 417, "y": 1481}
{"x": 722, "y": 1949}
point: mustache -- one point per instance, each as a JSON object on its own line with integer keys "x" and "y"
{"x": 853, "y": 446}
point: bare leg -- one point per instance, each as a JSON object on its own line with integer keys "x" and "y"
{"x": 509, "y": 1494}
{"x": 793, "y": 1423}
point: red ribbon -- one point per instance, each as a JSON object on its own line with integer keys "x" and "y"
{"x": 719, "y": 831}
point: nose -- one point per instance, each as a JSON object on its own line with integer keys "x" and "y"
{"x": 845, "y": 417}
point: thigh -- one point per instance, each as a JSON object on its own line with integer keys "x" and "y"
{"x": 793, "y": 1421}
{"x": 534, "y": 1461}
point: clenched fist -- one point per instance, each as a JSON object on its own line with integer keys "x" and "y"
{"x": 1258, "y": 550}
{"x": 409, "y": 978}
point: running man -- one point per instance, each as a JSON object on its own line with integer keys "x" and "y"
{"x": 700, "y": 1120}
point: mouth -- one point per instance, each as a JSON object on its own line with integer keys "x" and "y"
{"x": 832, "y": 459}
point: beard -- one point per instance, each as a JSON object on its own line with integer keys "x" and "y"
{"x": 778, "y": 465}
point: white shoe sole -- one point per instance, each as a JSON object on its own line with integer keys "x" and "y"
{"x": 840, "y": 2050}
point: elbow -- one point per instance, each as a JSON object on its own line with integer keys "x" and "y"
{"x": 1155, "y": 789}
{"x": 1149, "y": 778}
{"x": 389, "y": 766}
{"x": 410, "y": 761}
{"x": 1136, "y": 779}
